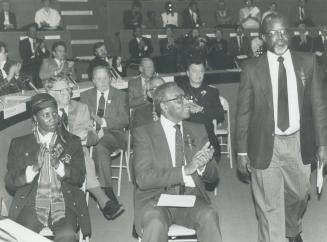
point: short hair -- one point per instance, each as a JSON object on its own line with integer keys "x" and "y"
{"x": 160, "y": 93}
{"x": 101, "y": 67}
{"x": 34, "y": 25}
{"x": 97, "y": 45}
{"x": 270, "y": 18}
{"x": 195, "y": 60}
{"x": 4, "y": 46}
{"x": 49, "y": 83}
{"x": 145, "y": 59}
{"x": 193, "y": 2}
{"x": 58, "y": 43}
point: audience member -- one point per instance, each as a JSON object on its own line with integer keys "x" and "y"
{"x": 191, "y": 16}
{"x": 10, "y": 80}
{"x": 151, "y": 21}
{"x": 32, "y": 51}
{"x": 204, "y": 100}
{"x": 223, "y": 16}
{"x": 145, "y": 114}
{"x": 239, "y": 44}
{"x": 169, "y": 17}
{"x": 257, "y": 47}
{"x": 169, "y": 51}
{"x": 109, "y": 110}
{"x": 137, "y": 86}
{"x": 271, "y": 10}
{"x": 250, "y": 16}
{"x": 139, "y": 46}
{"x": 133, "y": 17}
{"x": 75, "y": 117}
{"x": 47, "y": 17}
{"x": 7, "y": 18}
{"x": 302, "y": 14}
{"x": 302, "y": 42}
{"x": 218, "y": 57}
{"x": 45, "y": 172}
{"x": 280, "y": 131}
{"x": 101, "y": 58}
{"x": 163, "y": 164}
{"x": 320, "y": 47}
{"x": 57, "y": 64}
{"x": 118, "y": 66}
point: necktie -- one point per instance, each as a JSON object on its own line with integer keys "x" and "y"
{"x": 100, "y": 111}
{"x": 179, "y": 152}
{"x": 64, "y": 118}
{"x": 283, "y": 115}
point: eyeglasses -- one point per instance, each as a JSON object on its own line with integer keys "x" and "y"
{"x": 282, "y": 32}
{"x": 179, "y": 99}
{"x": 61, "y": 91}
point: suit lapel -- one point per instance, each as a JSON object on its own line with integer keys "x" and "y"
{"x": 162, "y": 148}
{"x": 93, "y": 101}
{"x": 263, "y": 75}
{"x": 299, "y": 70}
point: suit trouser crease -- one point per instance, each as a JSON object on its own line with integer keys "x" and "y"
{"x": 281, "y": 191}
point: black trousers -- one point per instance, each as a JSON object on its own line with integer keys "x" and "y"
{"x": 64, "y": 230}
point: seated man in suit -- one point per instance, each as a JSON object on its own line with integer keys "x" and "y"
{"x": 45, "y": 172}
{"x": 75, "y": 117}
{"x": 139, "y": 46}
{"x": 137, "y": 86}
{"x": 10, "y": 80}
{"x": 163, "y": 164}
{"x": 302, "y": 42}
{"x": 57, "y": 64}
{"x": 146, "y": 113}
{"x": 239, "y": 45}
{"x": 109, "y": 109}
{"x": 33, "y": 50}
{"x": 320, "y": 47}
{"x": 191, "y": 16}
{"x": 205, "y": 104}
{"x": 7, "y": 18}
{"x": 101, "y": 58}
{"x": 47, "y": 18}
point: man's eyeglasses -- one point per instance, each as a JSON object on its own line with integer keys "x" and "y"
{"x": 61, "y": 91}
{"x": 276, "y": 32}
{"x": 179, "y": 99}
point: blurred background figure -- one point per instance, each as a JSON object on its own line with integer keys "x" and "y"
{"x": 223, "y": 16}
{"x": 271, "y": 10}
{"x": 139, "y": 46}
{"x": 250, "y": 16}
{"x": 239, "y": 44}
{"x": 169, "y": 17}
{"x": 302, "y": 14}
{"x": 47, "y": 17}
{"x": 151, "y": 21}
{"x": 191, "y": 16}
{"x": 101, "y": 58}
{"x": 302, "y": 41}
{"x": 118, "y": 66}
{"x": 7, "y": 18}
{"x": 257, "y": 47}
{"x": 133, "y": 17}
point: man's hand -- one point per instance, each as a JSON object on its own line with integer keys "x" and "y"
{"x": 100, "y": 133}
{"x": 322, "y": 155}
{"x": 195, "y": 108}
{"x": 96, "y": 118}
{"x": 200, "y": 159}
{"x": 243, "y": 164}
{"x": 13, "y": 71}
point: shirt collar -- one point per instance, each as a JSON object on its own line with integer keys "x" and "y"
{"x": 168, "y": 124}
{"x": 45, "y": 139}
{"x": 105, "y": 93}
{"x": 273, "y": 57}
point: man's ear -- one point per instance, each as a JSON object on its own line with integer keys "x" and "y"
{"x": 163, "y": 107}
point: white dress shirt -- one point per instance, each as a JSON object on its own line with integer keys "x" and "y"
{"x": 105, "y": 94}
{"x": 170, "y": 132}
{"x": 50, "y": 16}
{"x": 194, "y": 15}
{"x": 293, "y": 101}
{"x": 169, "y": 18}
{"x": 30, "y": 173}
{"x": 4, "y": 74}
{"x": 6, "y": 21}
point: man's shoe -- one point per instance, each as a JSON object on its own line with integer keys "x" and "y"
{"x": 297, "y": 238}
{"x": 112, "y": 210}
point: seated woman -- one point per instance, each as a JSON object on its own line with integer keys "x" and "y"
{"x": 76, "y": 118}
{"x": 250, "y": 16}
{"x": 45, "y": 172}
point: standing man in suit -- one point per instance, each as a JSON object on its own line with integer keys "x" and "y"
{"x": 57, "y": 64}
{"x": 45, "y": 172}
{"x": 109, "y": 110}
{"x": 139, "y": 46}
{"x": 7, "y": 18}
{"x": 137, "y": 87}
{"x": 173, "y": 157}
{"x": 33, "y": 50}
{"x": 191, "y": 16}
{"x": 281, "y": 129}
{"x": 101, "y": 58}
{"x": 303, "y": 14}
{"x": 133, "y": 17}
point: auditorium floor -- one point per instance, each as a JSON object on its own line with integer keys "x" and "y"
{"x": 235, "y": 207}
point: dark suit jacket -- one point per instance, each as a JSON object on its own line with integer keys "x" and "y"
{"x": 168, "y": 61}
{"x": 15, "y": 85}
{"x": 217, "y": 56}
{"x": 97, "y": 61}
{"x": 305, "y": 47}
{"x": 23, "y": 152}
{"x": 245, "y": 48}
{"x": 255, "y": 117}
{"x": 153, "y": 168}
{"x": 307, "y": 16}
{"x": 188, "y": 22}
{"x": 137, "y": 52}
{"x": 321, "y": 46}
{"x": 116, "y": 113}
{"x": 130, "y": 20}
{"x": 12, "y": 20}
{"x": 142, "y": 115}
{"x": 135, "y": 93}
{"x": 49, "y": 66}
